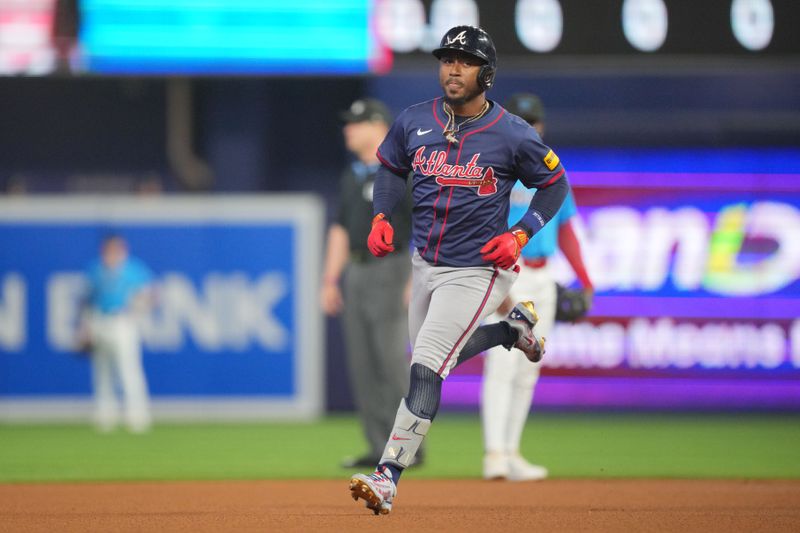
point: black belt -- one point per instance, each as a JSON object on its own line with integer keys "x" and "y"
{"x": 361, "y": 256}
{"x": 365, "y": 256}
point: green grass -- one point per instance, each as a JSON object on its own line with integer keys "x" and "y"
{"x": 571, "y": 445}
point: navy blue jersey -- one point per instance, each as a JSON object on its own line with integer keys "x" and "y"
{"x": 461, "y": 191}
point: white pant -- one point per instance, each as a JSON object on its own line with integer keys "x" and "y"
{"x": 508, "y": 377}
{"x": 117, "y": 363}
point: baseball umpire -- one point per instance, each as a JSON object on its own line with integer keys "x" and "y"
{"x": 465, "y": 152}
{"x": 375, "y": 323}
{"x": 509, "y": 379}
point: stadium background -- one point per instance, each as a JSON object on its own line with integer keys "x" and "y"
{"x": 684, "y": 153}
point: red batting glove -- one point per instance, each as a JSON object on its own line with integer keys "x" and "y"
{"x": 504, "y": 249}
{"x": 380, "y": 238}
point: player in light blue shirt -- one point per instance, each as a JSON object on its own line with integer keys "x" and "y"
{"x": 118, "y": 288}
{"x": 545, "y": 242}
{"x": 509, "y": 379}
{"x": 114, "y": 287}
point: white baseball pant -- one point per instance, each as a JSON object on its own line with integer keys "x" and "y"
{"x": 117, "y": 362}
{"x": 509, "y": 378}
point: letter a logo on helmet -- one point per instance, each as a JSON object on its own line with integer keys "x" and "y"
{"x": 461, "y": 38}
{"x": 475, "y": 42}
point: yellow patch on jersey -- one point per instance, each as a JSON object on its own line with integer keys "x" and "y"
{"x": 551, "y": 160}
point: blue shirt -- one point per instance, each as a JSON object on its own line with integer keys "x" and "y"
{"x": 545, "y": 242}
{"x": 461, "y": 191}
{"x": 111, "y": 291}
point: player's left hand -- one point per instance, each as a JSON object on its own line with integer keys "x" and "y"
{"x": 504, "y": 249}
{"x": 83, "y": 342}
{"x": 381, "y": 239}
{"x": 571, "y": 304}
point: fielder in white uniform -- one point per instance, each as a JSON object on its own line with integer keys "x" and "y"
{"x": 117, "y": 289}
{"x": 509, "y": 379}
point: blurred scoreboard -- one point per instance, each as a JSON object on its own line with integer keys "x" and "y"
{"x": 526, "y": 28}
{"x": 230, "y": 36}
{"x": 317, "y": 37}
{"x": 313, "y": 37}
{"x": 696, "y": 262}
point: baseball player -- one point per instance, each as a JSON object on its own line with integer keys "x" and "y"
{"x": 117, "y": 287}
{"x": 465, "y": 153}
{"x": 509, "y": 379}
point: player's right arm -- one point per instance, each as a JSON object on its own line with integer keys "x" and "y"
{"x": 389, "y": 190}
{"x": 390, "y": 187}
{"x": 390, "y": 181}
{"x": 570, "y": 246}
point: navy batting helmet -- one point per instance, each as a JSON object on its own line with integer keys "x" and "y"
{"x": 476, "y": 42}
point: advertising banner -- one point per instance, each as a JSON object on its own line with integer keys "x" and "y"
{"x": 234, "y": 331}
{"x": 695, "y": 258}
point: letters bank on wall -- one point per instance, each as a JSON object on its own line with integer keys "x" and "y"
{"x": 230, "y": 333}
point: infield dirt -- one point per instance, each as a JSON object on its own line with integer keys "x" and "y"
{"x": 422, "y": 505}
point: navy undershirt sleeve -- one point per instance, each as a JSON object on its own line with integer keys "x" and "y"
{"x": 389, "y": 189}
{"x": 544, "y": 206}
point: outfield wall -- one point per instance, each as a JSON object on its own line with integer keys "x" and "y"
{"x": 694, "y": 255}
{"x": 236, "y": 332}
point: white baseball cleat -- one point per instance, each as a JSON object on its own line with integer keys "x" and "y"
{"x": 521, "y": 470}
{"x": 495, "y": 465}
{"x": 377, "y": 490}
{"x": 511, "y": 466}
{"x": 523, "y": 318}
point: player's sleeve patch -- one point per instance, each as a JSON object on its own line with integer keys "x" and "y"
{"x": 551, "y": 160}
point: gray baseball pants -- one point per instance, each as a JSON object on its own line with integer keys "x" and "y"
{"x": 447, "y": 305}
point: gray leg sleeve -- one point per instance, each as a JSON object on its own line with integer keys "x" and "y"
{"x": 407, "y": 435}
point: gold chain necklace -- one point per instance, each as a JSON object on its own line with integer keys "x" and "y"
{"x": 451, "y": 128}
